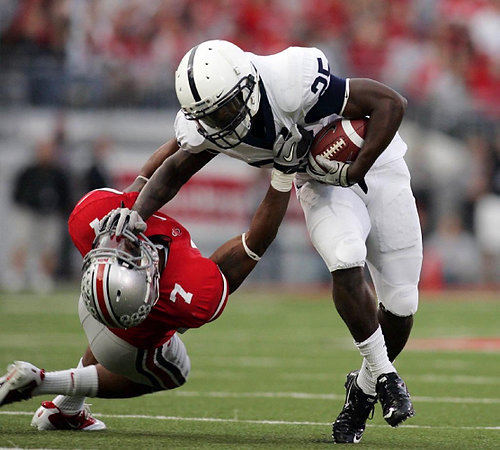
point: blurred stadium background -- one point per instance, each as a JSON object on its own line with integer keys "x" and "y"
{"x": 86, "y": 95}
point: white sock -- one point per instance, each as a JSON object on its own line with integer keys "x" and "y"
{"x": 365, "y": 380}
{"x": 374, "y": 351}
{"x": 74, "y": 382}
{"x": 67, "y": 404}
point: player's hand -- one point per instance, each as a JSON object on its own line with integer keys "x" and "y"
{"x": 290, "y": 149}
{"x": 335, "y": 173}
{"x": 122, "y": 219}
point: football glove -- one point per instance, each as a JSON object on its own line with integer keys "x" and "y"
{"x": 336, "y": 173}
{"x": 290, "y": 149}
{"x": 122, "y": 219}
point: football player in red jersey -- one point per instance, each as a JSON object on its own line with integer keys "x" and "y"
{"x": 139, "y": 291}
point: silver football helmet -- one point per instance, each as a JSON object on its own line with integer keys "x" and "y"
{"x": 218, "y": 86}
{"x": 120, "y": 281}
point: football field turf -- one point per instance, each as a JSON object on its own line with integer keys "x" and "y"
{"x": 269, "y": 373}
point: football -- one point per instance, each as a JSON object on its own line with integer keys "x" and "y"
{"x": 340, "y": 140}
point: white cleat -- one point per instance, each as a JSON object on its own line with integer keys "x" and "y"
{"x": 19, "y": 381}
{"x": 50, "y": 417}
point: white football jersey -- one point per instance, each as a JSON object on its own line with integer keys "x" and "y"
{"x": 296, "y": 87}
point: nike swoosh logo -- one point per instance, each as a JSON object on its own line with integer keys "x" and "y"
{"x": 219, "y": 94}
{"x": 289, "y": 157}
{"x": 389, "y": 414}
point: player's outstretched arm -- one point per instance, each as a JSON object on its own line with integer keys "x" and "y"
{"x": 169, "y": 169}
{"x": 233, "y": 259}
{"x": 385, "y": 108}
{"x": 154, "y": 161}
{"x": 166, "y": 181}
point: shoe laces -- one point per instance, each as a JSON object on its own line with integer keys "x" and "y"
{"x": 356, "y": 408}
{"x": 395, "y": 389}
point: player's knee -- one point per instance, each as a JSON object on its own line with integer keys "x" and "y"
{"x": 349, "y": 252}
{"x": 401, "y": 300}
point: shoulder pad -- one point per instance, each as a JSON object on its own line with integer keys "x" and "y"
{"x": 291, "y": 75}
{"x": 188, "y": 137}
{"x": 286, "y": 79}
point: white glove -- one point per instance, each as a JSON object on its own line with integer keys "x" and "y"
{"x": 335, "y": 172}
{"x": 123, "y": 219}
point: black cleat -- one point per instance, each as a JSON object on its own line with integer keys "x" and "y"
{"x": 394, "y": 398}
{"x": 351, "y": 422}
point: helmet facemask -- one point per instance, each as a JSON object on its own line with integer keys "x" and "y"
{"x": 226, "y": 121}
{"x": 120, "y": 281}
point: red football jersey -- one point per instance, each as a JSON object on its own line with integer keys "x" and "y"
{"x": 193, "y": 291}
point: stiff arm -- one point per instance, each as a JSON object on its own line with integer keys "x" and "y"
{"x": 154, "y": 161}
{"x": 171, "y": 174}
{"x": 168, "y": 169}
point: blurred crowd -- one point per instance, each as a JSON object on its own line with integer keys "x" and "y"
{"x": 443, "y": 55}
{"x": 99, "y": 52}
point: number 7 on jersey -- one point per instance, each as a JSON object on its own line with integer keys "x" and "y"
{"x": 178, "y": 289}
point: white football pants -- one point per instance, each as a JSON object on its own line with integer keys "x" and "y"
{"x": 165, "y": 367}
{"x": 348, "y": 227}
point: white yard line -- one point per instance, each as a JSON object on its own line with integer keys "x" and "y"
{"x": 423, "y": 378}
{"x": 453, "y": 379}
{"x": 308, "y": 396}
{"x": 258, "y": 422}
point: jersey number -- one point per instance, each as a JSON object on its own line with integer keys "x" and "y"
{"x": 321, "y": 79}
{"x": 186, "y": 296}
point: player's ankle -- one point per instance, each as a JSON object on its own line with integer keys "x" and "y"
{"x": 374, "y": 351}
{"x": 81, "y": 382}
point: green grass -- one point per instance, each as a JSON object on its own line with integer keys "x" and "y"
{"x": 270, "y": 357}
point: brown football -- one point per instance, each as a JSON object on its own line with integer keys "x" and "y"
{"x": 340, "y": 140}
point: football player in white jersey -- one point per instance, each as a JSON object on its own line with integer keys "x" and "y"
{"x": 242, "y": 104}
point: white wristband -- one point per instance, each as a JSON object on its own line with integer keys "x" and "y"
{"x": 140, "y": 177}
{"x": 281, "y": 181}
{"x": 249, "y": 252}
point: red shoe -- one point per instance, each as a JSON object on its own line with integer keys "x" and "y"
{"x": 50, "y": 417}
